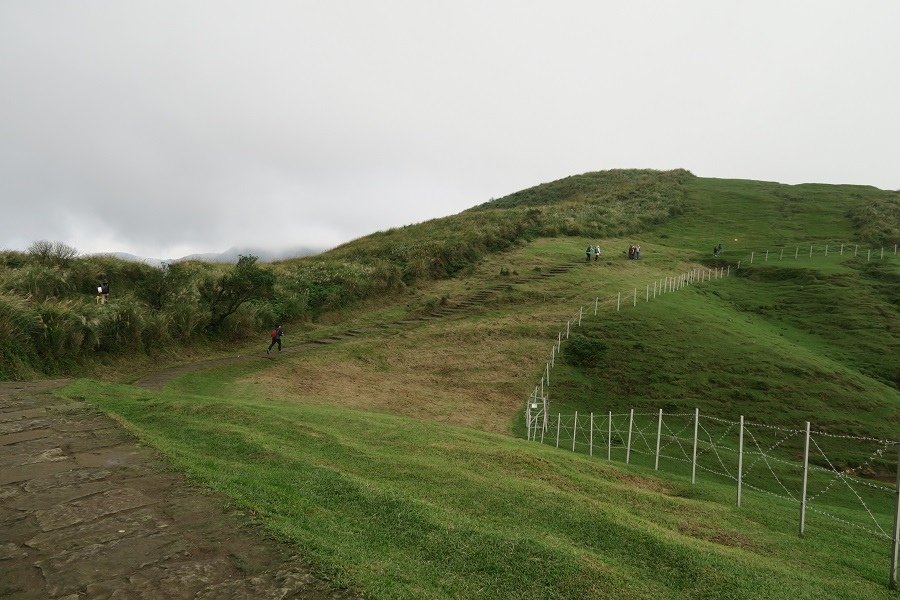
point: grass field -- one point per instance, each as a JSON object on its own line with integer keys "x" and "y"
{"x": 395, "y": 460}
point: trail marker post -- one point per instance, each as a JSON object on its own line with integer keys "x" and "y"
{"x": 628, "y": 444}
{"x": 694, "y": 457}
{"x": 740, "y": 469}
{"x": 805, "y": 478}
{"x": 658, "y": 438}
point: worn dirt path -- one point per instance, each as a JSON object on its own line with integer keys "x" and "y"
{"x": 88, "y": 512}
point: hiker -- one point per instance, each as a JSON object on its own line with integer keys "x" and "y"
{"x": 99, "y": 294}
{"x": 587, "y": 253}
{"x": 276, "y": 338}
{"x": 104, "y": 289}
{"x": 717, "y": 250}
{"x": 637, "y": 253}
{"x": 631, "y": 252}
{"x": 596, "y": 252}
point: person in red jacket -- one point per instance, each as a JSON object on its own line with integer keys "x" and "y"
{"x": 276, "y": 338}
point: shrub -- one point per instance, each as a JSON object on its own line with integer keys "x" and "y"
{"x": 584, "y": 351}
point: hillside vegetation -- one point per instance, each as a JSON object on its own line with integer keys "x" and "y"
{"x": 387, "y": 459}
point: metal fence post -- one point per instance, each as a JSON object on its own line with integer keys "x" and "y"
{"x": 591, "y": 437}
{"x": 574, "y": 431}
{"x": 694, "y": 459}
{"x": 558, "y": 420}
{"x": 805, "y": 477}
{"x": 609, "y": 438}
{"x": 740, "y": 470}
{"x": 658, "y": 437}
{"x": 895, "y": 547}
{"x": 628, "y": 445}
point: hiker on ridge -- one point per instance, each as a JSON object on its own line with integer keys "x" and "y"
{"x": 276, "y": 338}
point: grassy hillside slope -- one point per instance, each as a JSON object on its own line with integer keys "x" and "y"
{"x": 387, "y": 457}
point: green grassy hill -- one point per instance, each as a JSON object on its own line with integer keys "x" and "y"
{"x": 395, "y": 460}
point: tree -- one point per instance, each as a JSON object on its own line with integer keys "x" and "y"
{"x": 224, "y": 295}
{"x": 52, "y": 253}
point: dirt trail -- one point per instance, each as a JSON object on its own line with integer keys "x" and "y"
{"x": 88, "y": 512}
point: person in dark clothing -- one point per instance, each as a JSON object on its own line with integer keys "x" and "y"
{"x": 587, "y": 254}
{"x": 104, "y": 291}
{"x": 276, "y": 338}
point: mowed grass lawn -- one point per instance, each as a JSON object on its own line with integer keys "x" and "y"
{"x": 407, "y": 508}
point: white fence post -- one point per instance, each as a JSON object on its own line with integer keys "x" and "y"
{"x": 580, "y": 312}
{"x": 842, "y": 249}
{"x": 647, "y": 299}
{"x": 740, "y": 470}
{"x": 558, "y": 420}
{"x": 609, "y": 437}
{"x": 654, "y": 290}
{"x": 628, "y": 445}
{"x": 728, "y": 272}
{"x": 855, "y": 249}
{"x": 869, "y": 256}
{"x": 559, "y": 342}
{"x": 694, "y": 459}
{"x": 782, "y": 255}
{"x": 751, "y": 257}
{"x": 574, "y": 431}
{"x": 591, "y": 438}
{"x": 810, "y": 251}
{"x": 739, "y": 265}
{"x": 826, "y": 249}
{"x": 805, "y": 477}
{"x": 767, "y": 256}
{"x": 528, "y": 417}
{"x": 553, "y": 356}
{"x": 568, "y": 325}
{"x": 895, "y": 547}
{"x": 618, "y": 301}
{"x": 548, "y": 375}
{"x": 596, "y": 301}
{"x": 658, "y": 437}
{"x": 796, "y": 251}
{"x": 635, "y": 297}
{"x": 882, "y": 252}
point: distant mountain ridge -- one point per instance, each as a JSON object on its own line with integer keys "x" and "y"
{"x": 228, "y": 256}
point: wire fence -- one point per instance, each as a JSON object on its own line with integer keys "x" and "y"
{"x": 852, "y": 481}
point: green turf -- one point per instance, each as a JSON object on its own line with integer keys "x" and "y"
{"x": 410, "y": 509}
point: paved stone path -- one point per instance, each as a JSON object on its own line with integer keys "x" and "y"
{"x": 88, "y": 512}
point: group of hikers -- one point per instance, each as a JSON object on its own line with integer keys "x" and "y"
{"x": 634, "y": 252}
{"x": 592, "y": 251}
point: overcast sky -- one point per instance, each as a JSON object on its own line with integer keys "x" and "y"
{"x": 165, "y": 128}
